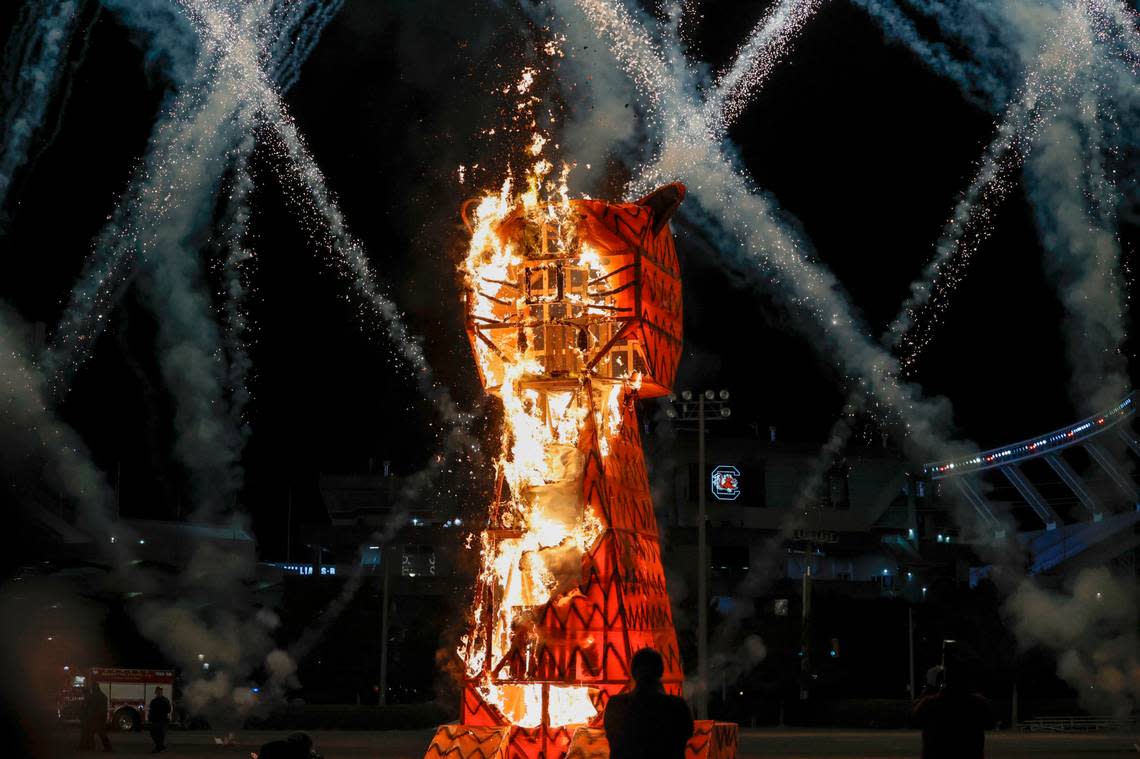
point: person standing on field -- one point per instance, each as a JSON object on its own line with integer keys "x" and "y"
{"x": 159, "y": 714}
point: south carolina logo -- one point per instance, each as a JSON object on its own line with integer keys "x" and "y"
{"x": 726, "y": 483}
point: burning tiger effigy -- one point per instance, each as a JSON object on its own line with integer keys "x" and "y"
{"x": 573, "y": 312}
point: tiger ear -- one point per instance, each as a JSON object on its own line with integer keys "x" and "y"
{"x": 662, "y": 202}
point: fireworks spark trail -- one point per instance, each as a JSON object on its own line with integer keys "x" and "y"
{"x": 171, "y": 43}
{"x": 34, "y": 57}
{"x": 977, "y": 83}
{"x": 731, "y": 212}
{"x": 322, "y": 211}
{"x": 102, "y": 279}
{"x": 1126, "y": 23}
{"x": 1067, "y": 65}
{"x": 325, "y": 221}
{"x": 969, "y": 226}
{"x": 321, "y": 208}
{"x": 1075, "y": 207}
{"x": 767, "y": 45}
{"x": 972, "y": 220}
{"x": 302, "y": 24}
{"x": 177, "y": 194}
{"x": 309, "y": 21}
{"x": 237, "y": 258}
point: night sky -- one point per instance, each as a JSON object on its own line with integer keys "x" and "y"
{"x": 852, "y": 136}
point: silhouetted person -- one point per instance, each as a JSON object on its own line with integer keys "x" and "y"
{"x": 93, "y": 721}
{"x": 953, "y": 717}
{"x": 647, "y": 723}
{"x": 296, "y": 746}
{"x": 159, "y": 715}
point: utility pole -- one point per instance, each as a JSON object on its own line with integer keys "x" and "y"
{"x": 384, "y": 627}
{"x": 805, "y": 629}
{"x": 702, "y": 569}
{"x": 686, "y": 414}
{"x": 910, "y": 648}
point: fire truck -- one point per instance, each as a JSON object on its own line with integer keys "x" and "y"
{"x": 128, "y": 692}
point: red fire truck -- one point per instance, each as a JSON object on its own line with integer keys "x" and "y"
{"x": 128, "y": 692}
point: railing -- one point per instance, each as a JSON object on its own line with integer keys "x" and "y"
{"x": 1067, "y": 724}
{"x": 1033, "y": 447}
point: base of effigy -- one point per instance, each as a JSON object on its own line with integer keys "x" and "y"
{"x": 500, "y": 742}
{"x": 711, "y": 740}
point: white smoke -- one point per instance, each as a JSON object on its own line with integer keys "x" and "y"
{"x": 1092, "y": 626}
{"x": 1069, "y": 122}
{"x": 34, "y": 59}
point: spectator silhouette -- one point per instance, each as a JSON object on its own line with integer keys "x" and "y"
{"x": 647, "y": 723}
{"x": 94, "y": 719}
{"x": 953, "y": 717}
{"x": 159, "y": 715}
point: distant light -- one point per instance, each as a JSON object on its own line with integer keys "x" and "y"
{"x": 51, "y": 637}
{"x": 256, "y": 690}
{"x": 671, "y": 413}
{"x": 947, "y": 538}
{"x": 373, "y": 548}
{"x": 709, "y": 395}
{"x": 66, "y": 668}
{"x": 201, "y": 657}
{"x": 940, "y": 537}
{"x": 141, "y": 541}
{"x": 886, "y": 571}
{"x": 909, "y": 576}
{"x": 458, "y": 521}
{"x": 726, "y": 412}
{"x": 205, "y": 665}
{"x": 724, "y": 395}
{"x": 112, "y": 538}
{"x": 910, "y": 533}
{"x": 1098, "y": 594}
{"x": 687, "y": 395}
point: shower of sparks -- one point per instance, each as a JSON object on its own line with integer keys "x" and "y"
{"x": 1081, "y": 78}
{"x": 972, "y": 221}
{"x": 268, "y": 115}
{"x": 201, "y": 90}
{"x": 690, "y": 148}
{"x": 767, "y": 46}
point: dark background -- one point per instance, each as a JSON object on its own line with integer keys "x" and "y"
{"x": 852, "y": 136}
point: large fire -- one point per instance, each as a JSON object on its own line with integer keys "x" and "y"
{"x": 573, "y": 310}
{"x": 541, "y": 302}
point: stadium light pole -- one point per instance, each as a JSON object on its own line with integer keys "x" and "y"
{"x": 685, "y": 410}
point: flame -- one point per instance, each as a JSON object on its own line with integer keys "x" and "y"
{"x": 540, "y": 529}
